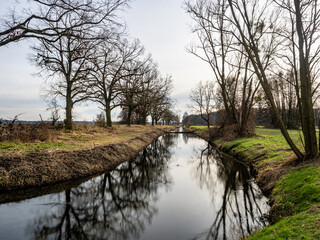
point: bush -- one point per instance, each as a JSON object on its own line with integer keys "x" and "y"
{"x": 100, "y": 120}
{"x": 13, "y": 131}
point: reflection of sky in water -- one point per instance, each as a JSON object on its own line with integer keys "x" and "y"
{"x": 176, "y": 189}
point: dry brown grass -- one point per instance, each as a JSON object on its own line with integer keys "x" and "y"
{"x": 90, "y": 135}
{"x": 83, "y": 136}
{"x": 100, "y": 149}
{"x": 14, "y": 132}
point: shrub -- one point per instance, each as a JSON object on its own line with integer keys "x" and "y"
{"x": 100, "y": 120}
{"x": 13, "y": 131}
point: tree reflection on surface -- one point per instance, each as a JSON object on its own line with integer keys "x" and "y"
{"x": 113, "y": 206}
{"x": 239, "y": 204}
{"x": 177, "y": 188}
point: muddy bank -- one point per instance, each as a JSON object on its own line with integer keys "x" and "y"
{"x": 35, "y": 169}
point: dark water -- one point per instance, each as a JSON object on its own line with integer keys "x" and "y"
{"x": 178, "y": 188}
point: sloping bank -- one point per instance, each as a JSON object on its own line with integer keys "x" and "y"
{"x": 293, "y": 188}
{"x": 36, "y": 169}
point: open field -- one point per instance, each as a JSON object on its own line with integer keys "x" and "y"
{"x": 294, "y": 188}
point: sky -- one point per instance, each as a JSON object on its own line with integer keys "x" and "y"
{"x": 163, "y": 28}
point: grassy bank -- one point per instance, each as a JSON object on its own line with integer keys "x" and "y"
{"x": 294, "y": 188}
{"x": 83, "y": 136}
{"x": 86, "y": 151}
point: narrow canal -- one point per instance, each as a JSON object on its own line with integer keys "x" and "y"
{"x": 177, "y": 188}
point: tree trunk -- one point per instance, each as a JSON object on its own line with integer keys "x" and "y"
{"x": 68, "y": 109}
{"x": 307, "y": 113}
{"x": 319, "y": 133}
{"x": 129, "y": 117}
{"x": 144, "y": 120}
{"x": 230, "y": 118}
{"x": 108, "y": 114}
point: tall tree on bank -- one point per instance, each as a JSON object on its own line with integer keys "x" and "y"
{"x": 230, "y": 66}
{"x": 66, "y": 59}
{"x": 254, "y": 17}
{"x": 160, "y": 99}
{"x": 112, "y": 64}
{"x": 65, "y": 64}
{"x": 155, "y": 94}
{"x": 132, "y": 87}
{"x": 303, "y": 38}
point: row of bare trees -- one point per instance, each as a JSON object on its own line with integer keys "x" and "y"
{"x": 272, "y": 45}
{"x": 85, "y": 55}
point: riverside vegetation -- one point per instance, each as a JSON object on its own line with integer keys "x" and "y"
{"x": 29, "y": 158}
{"x": 293, "y": 186}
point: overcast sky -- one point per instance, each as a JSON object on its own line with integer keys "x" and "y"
{"x": 163, "y": 28}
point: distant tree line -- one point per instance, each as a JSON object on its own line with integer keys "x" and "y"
{"x": 265, "y": 55}
{"x": 85, "y": 54}
{"x": 262, "y": 117}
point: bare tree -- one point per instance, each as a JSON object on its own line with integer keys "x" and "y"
{"x": 256, "y": 31}
{"x": 160, "y": 99}
{"x": 54, "y": 108}
{"x": 302, "y": 41}
{"x": 155, "y": 98}
{"x": 66, "y": 61}
{"x": 214, "y": 43}
{"x": 259, "y": 34}
{"x": 202, "y": 98}
{"x": 113, "y": 63}
{"x": 39, "y": 18}
{"x": 231, "y": 67}
{"x": 133, "y": 87}
{"x": 66, "y": 58}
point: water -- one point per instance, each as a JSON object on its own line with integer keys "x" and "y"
{"x": 177, "y": 188}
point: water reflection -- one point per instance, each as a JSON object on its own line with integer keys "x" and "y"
{"x": 116, "y": 205}
{"x": 177, "y": 188}
{"x": 239, "y": 204}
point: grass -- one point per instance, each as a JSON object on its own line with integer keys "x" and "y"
{"x": 305, "y": 225}
{"x": 84, "y": 136}
{"x": 267, "y": 149}
{"x": 296, "y": 193}
{"x": 12, "y": 147}
{"x": 199, "y": 127}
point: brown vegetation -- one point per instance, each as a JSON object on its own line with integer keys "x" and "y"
{"x": 27, "y": 132}
{"x": 34, "y": 169}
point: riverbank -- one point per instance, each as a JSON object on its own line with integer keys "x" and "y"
{"x": 293, "y": 188}
{"x": 86, "y": 151}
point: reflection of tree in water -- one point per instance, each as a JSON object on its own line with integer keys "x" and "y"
{"x": 188, "y": 136}
{"x": 239, "y": 205}
{"x": 116, "y": 205}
